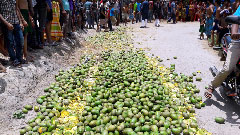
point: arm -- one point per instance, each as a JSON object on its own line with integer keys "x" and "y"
{"x": 9, "y": 26}
{"x": 61, "y": 6}
{"x": 30, "y": 6}
{"x": 48, "y": 8}
{"x": 234, "y": 32}
{"x": 20, "y": 17}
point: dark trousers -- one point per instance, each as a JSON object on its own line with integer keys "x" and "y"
{"x": 15, "y": 41}
{"x": 138, "y": 17}
{"x": 222, "y": 32}
{"x": 40, "y": 14}
{"x": 110, "y": 24}
{"x": 173, "y": 17}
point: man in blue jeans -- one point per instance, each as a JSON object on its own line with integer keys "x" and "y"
{"x": 173, "y": 12}
{"x": 14, "y": 22}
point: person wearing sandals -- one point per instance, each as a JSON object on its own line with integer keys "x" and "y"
{"x": 233, "y": 56}
{"x": 11, "y": 17}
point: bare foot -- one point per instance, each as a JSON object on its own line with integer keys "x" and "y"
{"x": 210, "y": 45}
{"x": 2, "y": 69}
{"x": 30, "y": 58}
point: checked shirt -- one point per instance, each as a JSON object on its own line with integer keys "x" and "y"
{"x": 8, "y": 11}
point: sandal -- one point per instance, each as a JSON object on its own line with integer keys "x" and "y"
{"x": 231, "y": 94}
{"x": 30, "y": 59}
{"x": 208, "y": 92}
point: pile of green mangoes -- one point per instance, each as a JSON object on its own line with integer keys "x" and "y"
{"x": 118, "y": 93}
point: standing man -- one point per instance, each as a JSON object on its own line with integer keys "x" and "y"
{"x": 11, "y": 17}
{"x": 173, "y": 12}
{"x": 157, "y": 10}
{"x": 40, "y": 15}
{"x": 137, "y": 10}
{"x": 66, "y": 20}
{"x": 103, "y": 16}
{"x": 95, "y": 13}
{"x": 48, "y": 23}
{"x": 116, "y": 7}
{"x": 216, "y": 22}
{"x": 144, "y": 12}
{"x": 88, "y": 8}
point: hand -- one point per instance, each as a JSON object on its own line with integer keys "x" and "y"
{"x": 48, "y": 9}
{"x": 22, "y": 26}
{"x": 32, "y": 22}
{"x": 10, "y": 26}
{"x": 235, "y": 36}
{"x": 24, "y": 23}
{"x": 64, "y": 12}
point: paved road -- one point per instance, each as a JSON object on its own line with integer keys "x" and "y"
{"x": 182, "y": 40}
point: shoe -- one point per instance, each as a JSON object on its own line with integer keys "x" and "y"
{"x": 233, "y": 19}
{"x": 16, "y": 63}
{"x": 142, "y": 27}
{"x": 231, "y": 93}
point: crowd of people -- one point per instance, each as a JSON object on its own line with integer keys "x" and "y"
{"x": 212, "y": 20}
{"x": 37, "y": 23}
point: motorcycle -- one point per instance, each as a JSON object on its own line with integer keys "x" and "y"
{"x": 232, "y": 83}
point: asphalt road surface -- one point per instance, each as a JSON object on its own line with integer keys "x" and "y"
{"x": 182, "y": 40}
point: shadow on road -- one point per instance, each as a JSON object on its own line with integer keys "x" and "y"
{"x": 228, "y": 105}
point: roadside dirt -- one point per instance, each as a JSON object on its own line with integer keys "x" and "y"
{"x": 21, "y": 86}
